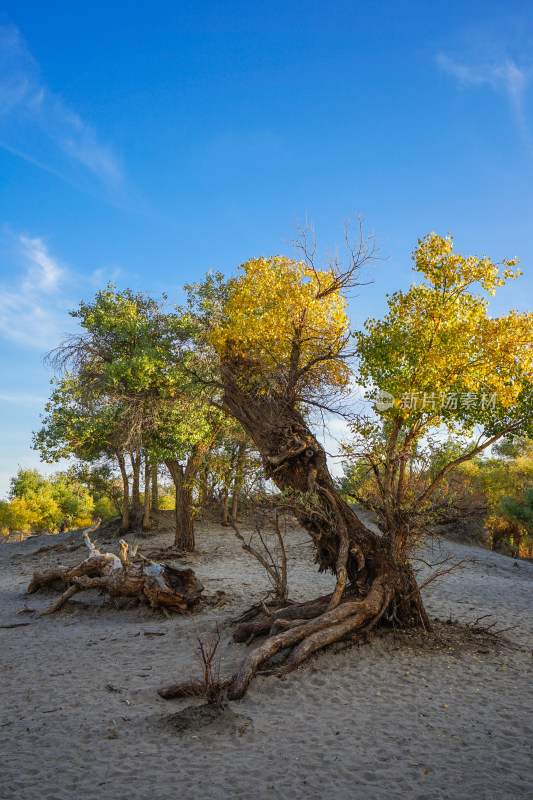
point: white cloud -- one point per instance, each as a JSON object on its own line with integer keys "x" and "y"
{"x": 36, "y": 123}
{"x": 30, "y": 400}
{"x": 483, "y": 60}
{"x": 43, "y": 271}
{"x": 505, "y": 75}
{"x": 33, "y": 309}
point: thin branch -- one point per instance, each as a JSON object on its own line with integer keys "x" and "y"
{"x": 454, "y": 568}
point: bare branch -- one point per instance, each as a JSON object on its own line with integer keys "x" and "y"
{"x": 344, "y": 270}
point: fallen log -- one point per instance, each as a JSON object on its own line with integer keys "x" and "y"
{"x": 128, "y": 575}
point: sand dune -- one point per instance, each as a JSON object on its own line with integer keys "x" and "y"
{"x": 397, "y": 718}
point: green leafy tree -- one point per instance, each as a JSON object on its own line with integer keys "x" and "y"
{"x": 445, "y": 364}
{"x": 39, "y": 503}
{"x": 131, "y": 369}
{"x": 504, "y": 484}
{"x": 35, "y": 505}
{"x": 521, "y": 511}
{"x": 88, "y": 427}
{"x": 184, "y": 435}
{"x": 75, "y": 500}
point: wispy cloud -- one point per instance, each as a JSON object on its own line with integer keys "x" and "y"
{"x": 37, "y": 291}
{"x": 30, "y": 400}
{"x": 37, "y": 124}
{"x": 43, "y": 272}
{"x": 33, "y": 304}
{"x": 484, "y": 59}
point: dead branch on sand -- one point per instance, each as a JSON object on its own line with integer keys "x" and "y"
{"x": 160, "y": 585}
{"x": 211, "y": 684}
{"x": 275, "y": 569}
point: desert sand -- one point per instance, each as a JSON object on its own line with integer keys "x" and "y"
{"x": 443, "y": 717}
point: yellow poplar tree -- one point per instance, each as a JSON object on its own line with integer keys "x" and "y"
{"x": 444, "y": 363}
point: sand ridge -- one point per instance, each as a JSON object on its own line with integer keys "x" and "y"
{"x": 81, "y": 718}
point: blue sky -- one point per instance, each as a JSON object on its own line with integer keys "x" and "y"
{"x": 145, "y": 144}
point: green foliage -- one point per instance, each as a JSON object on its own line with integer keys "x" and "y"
{"x": 129, "y": 389}
{"x": 34, "y": 501}
{"x": 105, "y": 509}
{"x": 520, "y": 510}
{"x": 440, "y": 453}
{"x": 130, "y": 345}
{"x": 514, "y": 446}
{"x": 102, "y": 482}
{"x": 507, "y": 485}
{"x": 78, "y": 424}
{"x": 26, "y": 482}
{"x": 75, "y": 500}
{"x": 448, "y": 366}
{"x": 127, "y": 368}
{"x": 39, "y": 503}
{"x": 439, "y": 342}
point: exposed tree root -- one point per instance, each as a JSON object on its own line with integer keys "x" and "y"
{"x": 309, "y": 635}
{"x": 195, "y": 689}
{"x": 160, "y": 585}
{"x": 305, "y": 628}
{"x": 279, "y": 618}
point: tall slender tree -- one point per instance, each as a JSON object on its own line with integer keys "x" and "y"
{"x": 130, "y": 355}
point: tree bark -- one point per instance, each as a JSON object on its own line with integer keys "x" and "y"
{"x": 238, "y": 479}
{"x": 372, "y": 581}
{"x": 126, "y": 491}
{"x": 184, "y": 538}
{"x": 155, "y": 489}
{"x": 147, "y": 523}
{"x": 135, "y": 488}
{"x": 182, "y": 476}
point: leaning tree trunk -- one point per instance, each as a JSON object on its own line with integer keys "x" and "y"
{"x": 370, "y": 582}
{"x": 296, "y": 461}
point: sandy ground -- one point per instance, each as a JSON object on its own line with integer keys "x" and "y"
{"x": 391, "y": 719}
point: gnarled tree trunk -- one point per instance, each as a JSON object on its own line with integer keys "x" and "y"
{"x": 372, "y": 579}
{"x": 371, "y": 582}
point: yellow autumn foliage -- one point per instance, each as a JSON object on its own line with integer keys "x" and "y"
{"x": 439, "y": 339}
{"x": 281, "y": 324}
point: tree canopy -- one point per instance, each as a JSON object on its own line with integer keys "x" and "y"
{"x": 288, "y": 321}
{"x": 444, "y": 363}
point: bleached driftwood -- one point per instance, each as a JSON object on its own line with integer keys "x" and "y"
{"x": 160, "y": 585}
